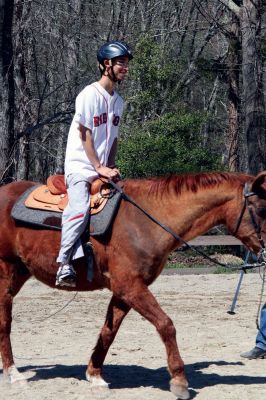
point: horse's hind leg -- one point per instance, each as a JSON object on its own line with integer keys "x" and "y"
{"x": 12, "y": 277}
{"x": 117, "y": 310}
{"x": 142, "y": 300}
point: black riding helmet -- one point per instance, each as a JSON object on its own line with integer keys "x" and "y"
{"x": 112, "y": 50}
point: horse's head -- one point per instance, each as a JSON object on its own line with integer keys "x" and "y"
{"x": 251, "y": 223}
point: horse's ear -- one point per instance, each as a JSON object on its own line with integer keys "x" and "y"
{"x": 259, "y": 185}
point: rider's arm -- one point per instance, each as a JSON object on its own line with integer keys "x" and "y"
{"x": 88, "y": 145}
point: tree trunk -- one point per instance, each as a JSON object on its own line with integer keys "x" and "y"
{"x": 234, "y": 126}
{"x": 7, "y": 90}
{"x": 253, "y": 96}
{"x": 70, "y": 69}
{"x": 21, "y": 46}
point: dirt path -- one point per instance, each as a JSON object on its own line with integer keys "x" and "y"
{"x": 54, "y": 352}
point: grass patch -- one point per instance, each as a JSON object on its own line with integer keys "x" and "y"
{"x": 178, "y": 265}
{"x": 188, "y": 260}
{"x": 224, "y": 270}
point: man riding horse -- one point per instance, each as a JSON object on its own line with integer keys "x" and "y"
{"x": 91, "y": 149}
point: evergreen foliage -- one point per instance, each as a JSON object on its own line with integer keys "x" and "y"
{"x": 161, "y": 135}
{"x": 168, "y": 145}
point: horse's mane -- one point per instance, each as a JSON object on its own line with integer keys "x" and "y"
{"x": 194, "y": 182}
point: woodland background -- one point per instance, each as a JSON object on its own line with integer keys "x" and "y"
{"x": 194, "y": 95}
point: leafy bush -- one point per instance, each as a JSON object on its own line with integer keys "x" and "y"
{"x": 160, "y": 135}
{"x": 168, "y": 145}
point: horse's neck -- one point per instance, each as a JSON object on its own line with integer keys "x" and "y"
{"x": 189, "y": 213}
{"x": 198, "y": 212}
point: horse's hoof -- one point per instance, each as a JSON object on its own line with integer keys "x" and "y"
{"x": 97, "y": 381}
{"x": 180, "y": 391}
{"x": 14, "y": 376}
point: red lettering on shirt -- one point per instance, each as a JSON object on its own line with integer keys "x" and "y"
{"x": 99, "y": 120}
{"x": 96, "y": 121}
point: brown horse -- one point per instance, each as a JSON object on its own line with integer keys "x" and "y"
{"x": 131, "y": 256}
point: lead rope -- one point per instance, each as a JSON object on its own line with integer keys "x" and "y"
{"x": 50, "y": 315}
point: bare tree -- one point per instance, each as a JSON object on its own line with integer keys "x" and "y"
{"x": 7, "y": 94}
{"x": 249, "y": 13}
{"x": 21, "y": 54}
{"x": 48, "y": 56}
{"x": 233, "y": 142}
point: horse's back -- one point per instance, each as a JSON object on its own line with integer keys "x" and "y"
{"x": 8, "y": 196}
{"x": 9, "y": 193}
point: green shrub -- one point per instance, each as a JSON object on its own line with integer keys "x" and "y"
{"x": 168, "y": 145}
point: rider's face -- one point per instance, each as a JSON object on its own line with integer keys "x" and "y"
{"x": 120, "y": 67}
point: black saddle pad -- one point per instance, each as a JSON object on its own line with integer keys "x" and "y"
{"x": 99, "y": 223}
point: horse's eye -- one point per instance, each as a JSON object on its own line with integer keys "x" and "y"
{"x": 261, "y": 212}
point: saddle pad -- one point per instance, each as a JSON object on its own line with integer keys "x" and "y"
{"x": 99, "y": 223}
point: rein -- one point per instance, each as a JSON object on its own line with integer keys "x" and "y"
{"x": 178, "y": 238}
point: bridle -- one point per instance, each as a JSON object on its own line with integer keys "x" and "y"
{"x": 262, "y": 253}
{"x": 247, "y": 205}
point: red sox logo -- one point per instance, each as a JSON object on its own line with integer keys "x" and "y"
{"x": 102, "y": 119}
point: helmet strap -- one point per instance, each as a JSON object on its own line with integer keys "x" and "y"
{"x": 112, "y": 76}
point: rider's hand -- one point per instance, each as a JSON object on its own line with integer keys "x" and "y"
{"x": 111, "y": 173}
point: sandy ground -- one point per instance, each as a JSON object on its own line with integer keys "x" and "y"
{"x": 53, "y": 352}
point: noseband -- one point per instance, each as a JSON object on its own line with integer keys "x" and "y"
{"x": 247, "y": 205}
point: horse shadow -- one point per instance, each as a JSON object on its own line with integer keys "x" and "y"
{"x": 134, "y": 376}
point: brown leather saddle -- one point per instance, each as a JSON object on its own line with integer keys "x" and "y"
{"x": 53, "y": 196}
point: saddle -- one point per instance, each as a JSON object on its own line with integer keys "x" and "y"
{"x": 53, "y": 196}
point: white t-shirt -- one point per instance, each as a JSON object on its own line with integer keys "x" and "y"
{"x": 101, "y": 112}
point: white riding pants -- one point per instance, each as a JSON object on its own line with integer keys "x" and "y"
{"x": 75, "y": 218}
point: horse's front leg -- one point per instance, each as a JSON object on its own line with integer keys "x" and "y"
{"x": 142, "y": 300}
{"x": 117, "y": 310}
{"x": 10, "y": 283}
